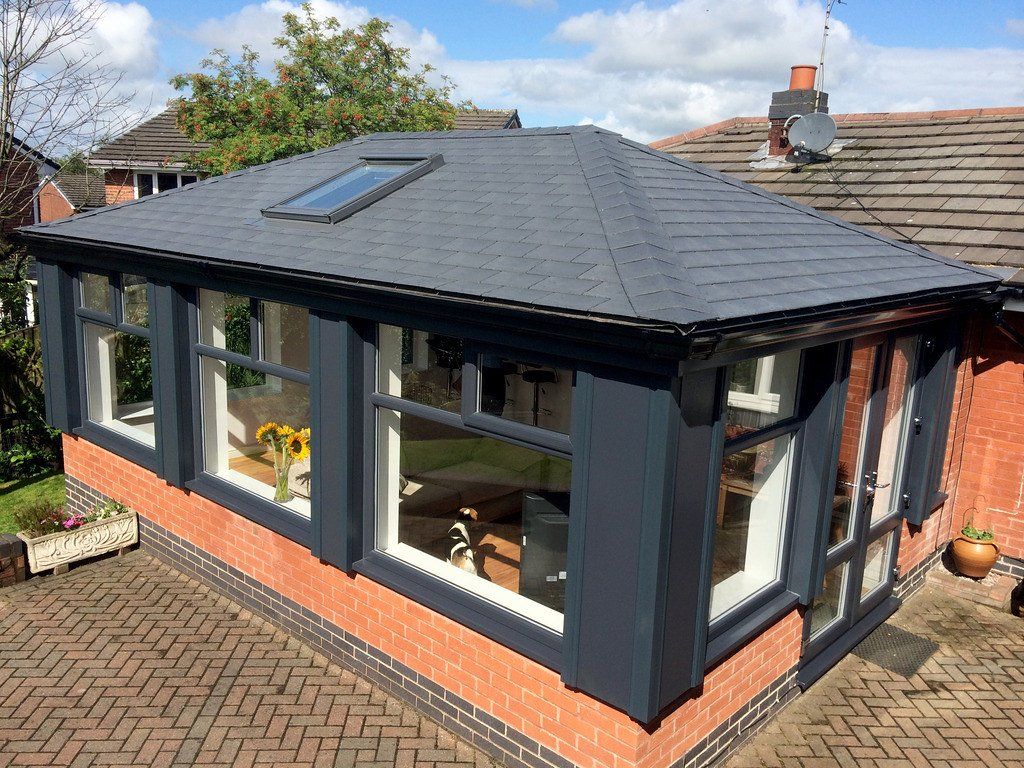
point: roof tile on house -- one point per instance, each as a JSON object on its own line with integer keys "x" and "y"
{"x": 82, "y": 190}
{"x": 951, "y": 181}
{"x": 159, "y": 143}
{"x": 576, "y": 220}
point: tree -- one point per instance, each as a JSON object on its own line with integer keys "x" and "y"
{"x": 329, "y": 85}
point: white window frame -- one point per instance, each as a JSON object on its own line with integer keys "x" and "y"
{"x": 762, "y": 399}
{"x": 153, "y": 173}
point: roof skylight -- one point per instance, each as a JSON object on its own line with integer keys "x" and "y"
{"x": 354, "y": 188}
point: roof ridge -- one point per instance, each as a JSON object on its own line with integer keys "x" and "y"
{"x": 917, "y": 250}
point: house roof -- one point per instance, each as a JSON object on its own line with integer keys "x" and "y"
{"x": 577, "y": 220}
{"x": 952, "y": 181}
{"x": 158, "y": 142}
{"x": 82, "y": 190}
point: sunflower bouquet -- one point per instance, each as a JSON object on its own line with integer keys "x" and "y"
{"x": 288, "y": 446}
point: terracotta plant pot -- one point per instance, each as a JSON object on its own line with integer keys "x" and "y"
{"x": 974, "y": 558}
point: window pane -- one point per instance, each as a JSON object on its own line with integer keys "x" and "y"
{"x": 135, "y": 294}
{"x": 420, "y": 366}
{"x": 876, "y": 564}
{"x": 188, "y": 179}
{"x": 224, "y": 321}
{"x": 95, "y": 292}
{"x": 828, "y": 606}
{"x": 515, "y": 545}
{"x": 336, "y": 192}
{"x": 119, "y": 382}
{"x": 166, "y": 181}
{"x": 238, "y": 401}
{"x": 750, "y": 522}
{"x": 285, "y": 338}
{"x": 895, "y": 429}
{"x": 539, "y": 395}
{"x": 762, "y": 391}
{"x": 144, "y": 184}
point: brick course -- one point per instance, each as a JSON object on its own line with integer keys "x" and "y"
{"x": 119, "y": 185}
{"x": 504, "y": 703}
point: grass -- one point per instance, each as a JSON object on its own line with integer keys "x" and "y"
{"x": 21, "y": 494}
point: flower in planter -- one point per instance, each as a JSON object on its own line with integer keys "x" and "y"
{"x": 75, "y": 521}
{"x": 288, "y": 445}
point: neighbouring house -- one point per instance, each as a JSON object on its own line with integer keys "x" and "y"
{"x": 953, "y": 182}
{"x": 69, "y": 193}
{"x": 153, "y": 156}
{"x": 24, "y": 172}
{"x": 586, "y": 423}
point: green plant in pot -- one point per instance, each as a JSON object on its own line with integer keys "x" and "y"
{"x": 974, "y": 551}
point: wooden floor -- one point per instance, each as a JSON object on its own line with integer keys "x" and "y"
{"x": 258, "y": 466}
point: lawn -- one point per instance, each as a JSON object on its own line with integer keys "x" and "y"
{"x": 19, "y": 494}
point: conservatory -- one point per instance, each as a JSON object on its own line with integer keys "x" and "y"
{"x": 553, "y": 435}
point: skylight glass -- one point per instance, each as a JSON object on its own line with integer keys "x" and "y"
{"x": 354, "y": 188}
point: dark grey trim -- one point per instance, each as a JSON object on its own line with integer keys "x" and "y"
{"x": 58, "y": 337}
{"x": 248, "y": 505}
{"x": 172, "y": 396}
{"x": 763, "y": 613}
{"x": 501, "y": 625}
{"x": 115, "y": 442}
{"x": 270, "y": 369}
{"x": 424, "y": 165}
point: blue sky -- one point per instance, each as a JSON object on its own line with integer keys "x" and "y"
{"x": 647, "y": 69}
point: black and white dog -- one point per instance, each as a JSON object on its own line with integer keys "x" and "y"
{"x": 460, "y": 547}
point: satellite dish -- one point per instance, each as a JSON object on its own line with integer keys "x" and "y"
{"x": 812, "y": 133}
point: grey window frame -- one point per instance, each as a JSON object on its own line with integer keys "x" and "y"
{"x": 139, "y": 453}
{"x": 419, "y": 165}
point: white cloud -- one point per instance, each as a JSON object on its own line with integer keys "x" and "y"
{"x": 1015, "y": 27}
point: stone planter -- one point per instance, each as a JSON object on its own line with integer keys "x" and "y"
{"x": 58, "y": 550}
{"x": 974, "y": 558}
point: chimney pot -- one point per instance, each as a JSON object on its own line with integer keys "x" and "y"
{"x": 801, "y": 77}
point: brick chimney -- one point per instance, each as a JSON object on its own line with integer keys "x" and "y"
{"x": 798, "y": 100}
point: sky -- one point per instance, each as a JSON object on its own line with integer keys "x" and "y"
{"x": 646, "y": 69}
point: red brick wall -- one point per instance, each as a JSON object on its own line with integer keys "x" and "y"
{"x": 119, "y": 186}
{"x": 52, "y": 204}
{"x": 520, "y": 692}
{"x": 20, "y": 180}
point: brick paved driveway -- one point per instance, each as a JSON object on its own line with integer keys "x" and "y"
{"x": 964, "y": 707}
{"x": 127, "y": 662}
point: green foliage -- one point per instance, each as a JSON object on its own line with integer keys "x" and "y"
{"x": 19, "y": 494}
{"x": 133, "y": 366}
{"x": 978, "y": 534}
{"x": 40, "y": 519}
{"x": 330, "y": 84}
{"x": 107, "y": 509}
{"x": 13, "y": 308}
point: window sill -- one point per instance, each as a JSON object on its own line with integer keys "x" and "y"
{"x": 252, "y": 507}
{"x": 115, "y": 442}
{"x": 516, "y": 632}
{"x": 746, "y": 623}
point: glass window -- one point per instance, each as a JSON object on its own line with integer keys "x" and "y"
{"x": 420, "y": 366}
{"x": 876, "y": 564}
{"x": 224, "y": 321}
{"x": 762, "y": 392}
{"x": 166, "y": 181}
{"x": 339, "y": 190}
{"x": 488, "y": 515}
{"x": 135, "y": 295}
{"x": 828, "y": 606}
{"x": 119, "y": 382}
{"x": 284, "y": 337}
{"x": 750, "y": 522}
{"x": 188, "y": 179}
{"x": 144, "y": 184}
{"x": 895, "y": 428}
{"x": 256, "y": 432}
{"x": 539, "y": 395}
{"x": 95, "y": 292}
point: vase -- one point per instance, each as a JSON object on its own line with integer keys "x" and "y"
{"x": 281, "y": 492}
{"x": 974, "y": 558}
{"x": 57, "y": 550}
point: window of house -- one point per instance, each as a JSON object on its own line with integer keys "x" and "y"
{"x": 118, "y": 358}
{"x": 528, "y": 393}
{"x": 467, "y": 505}
{"x": 754, "y": 486}
{"x": 150, "y": 183}
{"x": 254, "y": 384}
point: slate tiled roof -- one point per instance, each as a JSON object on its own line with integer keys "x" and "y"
{"x": 83, "y": 190}
{"x": 577, "y": 220}
{"x": 159, "y": 143}
{"x": 952, "y": 181}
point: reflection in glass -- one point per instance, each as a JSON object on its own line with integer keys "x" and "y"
{"x": 750, "y": 520}
{"x": 338, "y": 191}
{"x": 828, "y": 606}
{"x": 539, "y": 395}
{"x": 896, "y": 428}
{"x": 95, "y": 292}
{"x": 517, "y": 533}
{"x": 119, "y": 382}
{"x": 876, "y": 564}
{"x": 420, "y": 366}
{"x": 135, "y": 295}
{"x": 224, "y": 321}
{"x": 762, "y": 392}
{"x": 236, "y": 401}
{"x": 285, "y": 334}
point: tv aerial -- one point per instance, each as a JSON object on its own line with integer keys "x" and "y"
{"x": 812, "y": 133}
